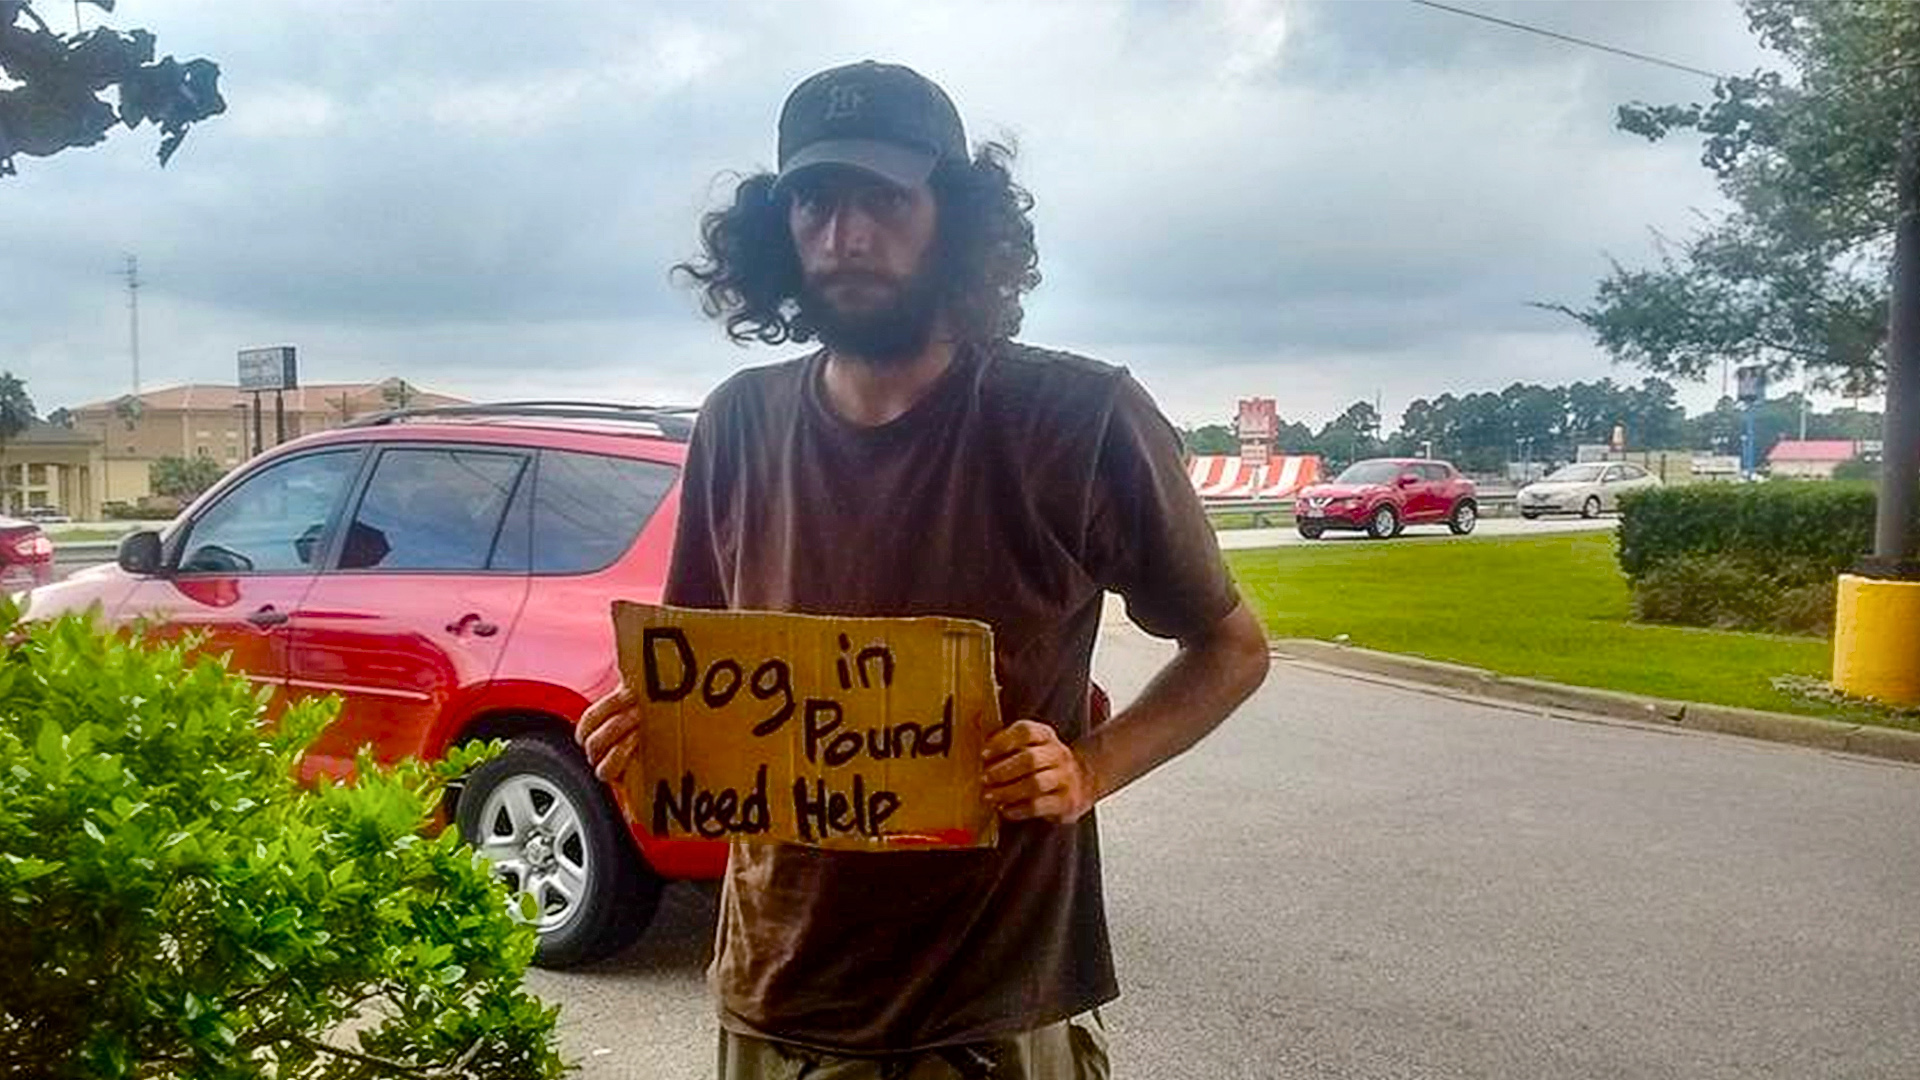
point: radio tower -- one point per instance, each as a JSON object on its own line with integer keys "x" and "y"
{"x": 133, "y": 316}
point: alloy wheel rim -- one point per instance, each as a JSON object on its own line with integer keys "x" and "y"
{"x": 533, "y": 837}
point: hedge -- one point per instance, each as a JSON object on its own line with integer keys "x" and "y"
{"x": 1801, "y": 528}
{"x": 1744, "y": 556}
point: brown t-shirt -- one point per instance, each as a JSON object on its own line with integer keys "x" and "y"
{"x": 1017, "y": 491}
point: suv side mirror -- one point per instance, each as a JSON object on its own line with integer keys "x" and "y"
{"x": 1409, "y": 480}
{"x": 140, "y": 552}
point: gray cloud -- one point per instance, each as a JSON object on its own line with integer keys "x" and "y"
{"x": 1316, "y": 201}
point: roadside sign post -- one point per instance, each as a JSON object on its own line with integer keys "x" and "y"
{"x": 272, "y": 368}
{"x": 1752, "y": 389}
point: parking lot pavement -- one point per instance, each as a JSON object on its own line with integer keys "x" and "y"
{"x": 1231, "y": 539}
{"x": 1355, "y": 881}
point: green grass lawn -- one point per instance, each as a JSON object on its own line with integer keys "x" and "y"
{"x": 1237, "y": 520}
{"x": 58, "y": 533}
{"x": 1545, "y": 607}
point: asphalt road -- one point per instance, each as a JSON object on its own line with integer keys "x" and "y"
{"x": 1493, "y": 526}
{"x": 1351, "y": 880}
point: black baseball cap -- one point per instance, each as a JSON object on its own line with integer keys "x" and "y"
{"x": 884, "y": 119}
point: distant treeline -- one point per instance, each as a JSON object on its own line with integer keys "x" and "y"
{"x": 1481, "y": 432}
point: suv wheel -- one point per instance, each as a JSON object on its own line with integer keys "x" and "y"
{"x": 1312, "y": 532}
{"x": 1384, "y": 523}
{"x": 1464, "y": 517}
{"x": 552, "y": 832}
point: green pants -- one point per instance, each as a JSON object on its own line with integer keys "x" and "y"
{"x": 1073, "y": 1049}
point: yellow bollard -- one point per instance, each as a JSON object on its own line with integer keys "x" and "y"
{"x": 1876, "y": 640}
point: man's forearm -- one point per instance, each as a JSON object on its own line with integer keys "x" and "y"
{"x": 1187, "y": 698}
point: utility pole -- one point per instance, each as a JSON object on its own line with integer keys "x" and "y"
{"x": 1806, "y": 399}
{"x": 133, "y": 316}
{"x": 1893, "y": 534}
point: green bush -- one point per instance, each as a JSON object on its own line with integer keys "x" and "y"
{"x": 1812, "y": 528}
{"x": 1736, "y": 594}
{"x": 1744, "y": 556}
{"x": 173, "y": 904}
{"x": 1857, "y": 469}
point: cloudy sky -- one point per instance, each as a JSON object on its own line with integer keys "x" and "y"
{"x": 1317, "y": 201}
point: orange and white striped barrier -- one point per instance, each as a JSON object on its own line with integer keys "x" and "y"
{"x": 1217, "y": 477}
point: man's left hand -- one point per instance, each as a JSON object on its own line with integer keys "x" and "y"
{"x": 1032, "y": 774}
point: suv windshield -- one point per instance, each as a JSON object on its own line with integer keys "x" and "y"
{"x": 1577, "y": 474}
{"x": 1369, "y": 472}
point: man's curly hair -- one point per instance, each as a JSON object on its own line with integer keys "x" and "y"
{"x": 749, "y": 274}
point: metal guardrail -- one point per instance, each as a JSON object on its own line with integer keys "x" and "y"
{"x": 85, "y": 552}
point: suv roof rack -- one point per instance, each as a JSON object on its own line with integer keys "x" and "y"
{"x": 671, "y": 421}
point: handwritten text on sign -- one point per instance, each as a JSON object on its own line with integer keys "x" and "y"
{"x": 834, "y": 732}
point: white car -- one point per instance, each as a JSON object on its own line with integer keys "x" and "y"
{"x": 1589, "y": 489}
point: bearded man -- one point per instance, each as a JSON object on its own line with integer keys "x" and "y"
{"x": 921, "y": 462}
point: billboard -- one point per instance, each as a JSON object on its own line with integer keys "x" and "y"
{"x": 1259, "y": 420}
{"x": 1751, "y": 383}
{"x": 270, "y": 368}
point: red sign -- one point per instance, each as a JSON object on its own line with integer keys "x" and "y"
{"x": 1259, "y": 419}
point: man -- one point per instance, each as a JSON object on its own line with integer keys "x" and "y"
{"x": 922, "y": 463}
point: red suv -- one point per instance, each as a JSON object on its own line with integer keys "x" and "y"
{"x": 1382, "y": 496}
{"x": 447, "y": 573}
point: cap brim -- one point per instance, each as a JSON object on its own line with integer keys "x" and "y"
{"x": 903, "y": 166}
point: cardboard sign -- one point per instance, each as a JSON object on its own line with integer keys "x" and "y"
{"x": 826, "y": 731}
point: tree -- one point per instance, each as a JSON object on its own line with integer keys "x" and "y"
{"x": 16, "y": 407}
{"x": 396, "y": 393}
{"x": 54, "y": 103}
{"x": 1211, "y": 439}
{"x": 128, "y": 410}
{"x": 1353, "y": 435}
{"x": 183, "y": 478}
{"x": 1796, "y": 275}
{"x": 1818, "y": 265}
{"x": 1292, "y": 437}
{"x": 16, "y": 414}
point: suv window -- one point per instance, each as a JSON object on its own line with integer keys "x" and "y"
{"x": 274, "y": 520}
{"x": 431, "y": 509}
{"x": 1434, "y": 473}
{"x": 588, "y": 508}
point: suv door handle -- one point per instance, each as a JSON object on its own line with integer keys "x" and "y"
{"x": 472, "y": 620}
{"x": 268, "y": 617}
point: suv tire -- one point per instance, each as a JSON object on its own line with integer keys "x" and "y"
{"x": 550, "y": 827}
{"x": 1312, "y": 532}
{"x": 1464, "y": 517}
{"x": 1384, "y": 524}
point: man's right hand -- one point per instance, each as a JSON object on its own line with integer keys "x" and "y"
{"x": 609, "y": 731}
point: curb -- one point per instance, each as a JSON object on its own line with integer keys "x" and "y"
{"x": 1893, "y": 744}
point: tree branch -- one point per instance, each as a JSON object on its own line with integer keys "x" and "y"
{"x": 370, "y": 1060}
